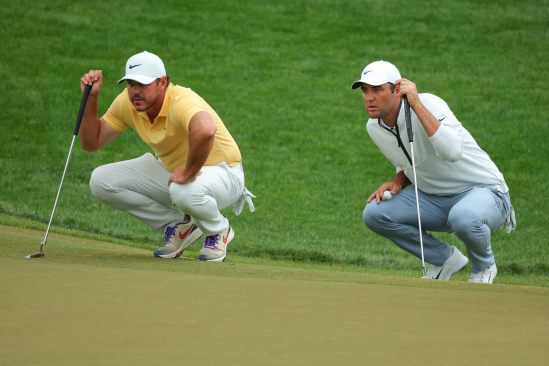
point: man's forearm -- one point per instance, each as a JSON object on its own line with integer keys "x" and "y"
{"x": 448, "y": 143}
{"x": 89, "y": 129}
{"x": 429, "y": 122}
{"x": 199, "y": 150}
{"x": 401, "y": 179}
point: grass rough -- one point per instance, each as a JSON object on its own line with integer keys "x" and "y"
{"x": 279, "y": 73}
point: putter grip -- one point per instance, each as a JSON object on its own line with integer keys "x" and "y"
{"x": 85, "y": 96}
{"x": 408, "y": 116}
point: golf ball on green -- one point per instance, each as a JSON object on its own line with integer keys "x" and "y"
{"x": 387, "y": 195}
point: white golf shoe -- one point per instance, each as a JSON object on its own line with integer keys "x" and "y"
{"x": 178, "y": 238}
{"x": 455, "y": 263}
{"x": 215, "y": 246}
{"x": 486, "y": 276}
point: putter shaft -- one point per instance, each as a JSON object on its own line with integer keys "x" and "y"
{"x": 408, "y": 117}
{"x": 85, "y": 96}
{"x": 418, "y": 213}
{"x": 58, "y": 193}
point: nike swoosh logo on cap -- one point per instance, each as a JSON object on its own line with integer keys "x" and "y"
{"x": 132, "y": 66}
{"x": 364, "y": 73}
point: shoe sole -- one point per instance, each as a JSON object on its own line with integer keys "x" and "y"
{"x": 193, "y": 236}
{"x": 220, "y": 259}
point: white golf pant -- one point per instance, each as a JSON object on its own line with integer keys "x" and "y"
{"x": 140, "y": 187}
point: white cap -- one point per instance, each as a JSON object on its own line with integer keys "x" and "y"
{"x": 378, "y": 73}
{"x": 144, "y": 68}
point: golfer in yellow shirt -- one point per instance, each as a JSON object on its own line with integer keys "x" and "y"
{"x": 198, "y": 166}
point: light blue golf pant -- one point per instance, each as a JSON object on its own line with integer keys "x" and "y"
{"x": 140, "y": 187}
{"x": 470, "y": 215}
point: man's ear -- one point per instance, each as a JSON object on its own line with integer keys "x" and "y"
{"x": 164, "y": 82}
{"x": 397, "y": 91}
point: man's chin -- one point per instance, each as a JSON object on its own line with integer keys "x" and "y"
{"x": 140, "y": 108}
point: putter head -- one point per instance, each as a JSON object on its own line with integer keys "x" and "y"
{"x": 35, "y": 255}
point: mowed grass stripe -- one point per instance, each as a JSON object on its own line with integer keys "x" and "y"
{"x": 96, "y": 303}
{"x": 66, "y": 246}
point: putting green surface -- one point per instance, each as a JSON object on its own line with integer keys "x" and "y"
{"x": 93, "y": 303}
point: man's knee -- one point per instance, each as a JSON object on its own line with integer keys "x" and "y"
{"x": 465, "y": 221}
{"x": 185, "y": 196}
{"x": 372, "y": 216}
{"x": 99, "y": 182}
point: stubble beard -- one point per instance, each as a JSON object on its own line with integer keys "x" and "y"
{"x": 147, "y": 105}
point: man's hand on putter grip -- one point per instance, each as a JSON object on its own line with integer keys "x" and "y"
{"x": 93, "y": 78}
{"x": 408, "y": 88}
{"x": 178, "y": 176}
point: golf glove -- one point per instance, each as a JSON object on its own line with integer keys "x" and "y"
{"x": 510, "y": 221}
{"x": 245, "y": 198}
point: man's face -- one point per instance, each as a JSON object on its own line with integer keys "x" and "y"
{"x": 143, "y": 96}
{"x": 379, "y": 101}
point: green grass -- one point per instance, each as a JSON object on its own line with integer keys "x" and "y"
{"x": 279, "y": 74}
{"x": 90, "y": 302}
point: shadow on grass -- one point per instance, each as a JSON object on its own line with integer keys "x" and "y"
{"x": 278, "y": 254}
{"x": 313, "y": 256}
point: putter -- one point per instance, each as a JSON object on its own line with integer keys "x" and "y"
{"x": 411, "y": 140}
{"x": 76, "y": 129}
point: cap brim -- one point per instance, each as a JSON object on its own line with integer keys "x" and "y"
{"x": 141, "y": 79}
{"x": 372, "y": 82}
{"x": 356, "y": 84}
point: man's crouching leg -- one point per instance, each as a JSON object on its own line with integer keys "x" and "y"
{"x": 139, "y": 187}
{"x": 396, "y": 220}
{"x": 216, "y": 188}
{"x": 472, "y": 219}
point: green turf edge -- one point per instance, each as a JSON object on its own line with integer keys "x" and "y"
{"x": 249, "y": 267}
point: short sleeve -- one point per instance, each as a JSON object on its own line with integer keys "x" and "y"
{"x": 114, "y": 115}
{"x": 184, "y": 109}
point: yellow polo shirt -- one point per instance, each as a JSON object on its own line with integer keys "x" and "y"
{"x": 168, "y": 136}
